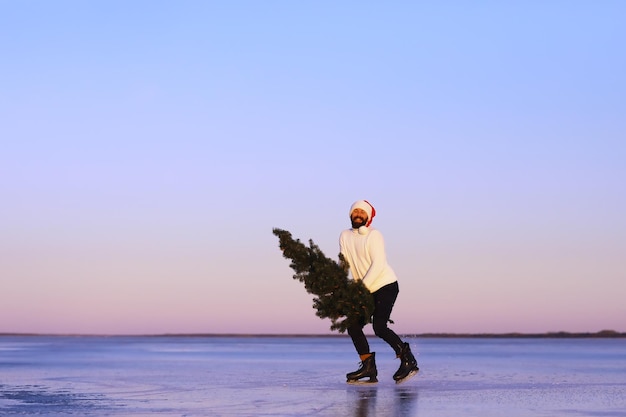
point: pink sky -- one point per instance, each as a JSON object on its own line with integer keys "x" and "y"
{"x": 143, "y": 168}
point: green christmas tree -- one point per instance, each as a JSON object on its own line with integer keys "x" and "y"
{"x": 344, "y": 301}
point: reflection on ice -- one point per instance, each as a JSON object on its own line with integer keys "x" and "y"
{"x": 399, "y": 401}
{"x": 283, "y": 376}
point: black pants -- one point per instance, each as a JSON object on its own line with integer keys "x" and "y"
{"x": 384, "y": 300}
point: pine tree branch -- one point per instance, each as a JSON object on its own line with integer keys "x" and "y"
{"x": 342, "y": 300}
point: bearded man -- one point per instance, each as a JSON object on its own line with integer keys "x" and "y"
{"x": 363, "y": 248}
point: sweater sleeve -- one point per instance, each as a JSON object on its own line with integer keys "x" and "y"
{"x": 342, "y": 249}
{"x": 376, "y": 248}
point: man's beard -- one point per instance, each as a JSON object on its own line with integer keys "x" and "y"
{"x": 357, "y": 222}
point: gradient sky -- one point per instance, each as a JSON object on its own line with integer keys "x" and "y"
{"x": 148, "y": 148}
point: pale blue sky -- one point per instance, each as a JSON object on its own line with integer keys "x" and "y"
{"x": 149, "y": 148}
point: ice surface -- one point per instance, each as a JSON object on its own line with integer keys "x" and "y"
{"x": 305, "y": 376}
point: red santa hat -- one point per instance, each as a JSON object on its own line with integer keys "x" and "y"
{"x": 365, "y": 206}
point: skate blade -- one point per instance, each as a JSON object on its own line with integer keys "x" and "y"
{"x": 361, "y": 382}
{"x": 409, "y": 376}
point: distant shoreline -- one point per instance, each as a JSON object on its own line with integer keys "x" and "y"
{"x": 512, "y": 335}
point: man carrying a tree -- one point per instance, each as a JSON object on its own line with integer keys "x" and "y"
{"x": 363, "y": 248}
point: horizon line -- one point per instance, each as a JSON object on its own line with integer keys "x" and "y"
{"x": 556, "y": 334}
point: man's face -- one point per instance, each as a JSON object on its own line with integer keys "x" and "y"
{"x": 358, "y": 218}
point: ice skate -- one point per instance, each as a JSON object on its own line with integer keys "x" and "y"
{"x": 366, "y": 370}
{"x": 408, "y": 365}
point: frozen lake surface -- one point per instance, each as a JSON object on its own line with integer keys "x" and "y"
{"x": 305, "y": 376}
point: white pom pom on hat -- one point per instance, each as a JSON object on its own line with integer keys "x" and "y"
{"x": 368, "y": 208}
